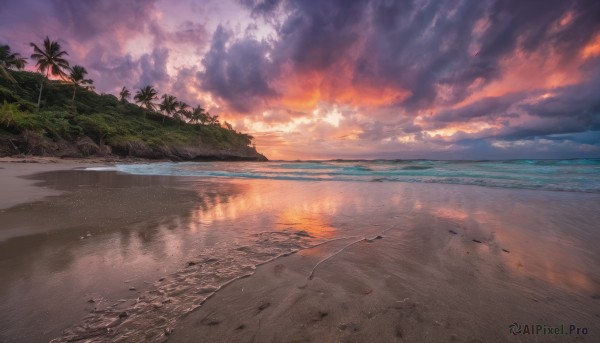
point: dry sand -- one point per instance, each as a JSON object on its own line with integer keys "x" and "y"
{"x": 16, "y": 189}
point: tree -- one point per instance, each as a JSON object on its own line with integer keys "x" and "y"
{"x": 9, "y": 60}
{"x": 182, "y": 111}
{"x": 145, "y": 96}
{"x": 49, "y": 60}
{"x": 168, "y": 106}
{"x": 78, "y": 79}
{"x": 228, "y": 126}
{"x": 124, "y": 94}
{"x": 198, "y": 115}
{"x": 213, "y": 120}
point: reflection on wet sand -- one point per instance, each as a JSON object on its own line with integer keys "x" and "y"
{"x": 459, "y": 264}
{"x": 109, "y": 233}
{"x": 545, "y": 235}
{"x": 539, "y": 242}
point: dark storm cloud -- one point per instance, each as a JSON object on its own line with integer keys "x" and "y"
{"x": 317, "y": 34}
{"x": 261, "y": 7}
{"x": 103, "y": 28}
{"x": 75, "y": 20}
{"x": 532, "y": 22}
{"x": 88, "y": 19}
{"x": 186, "y": 87}
{"x": 581, "y": 102}
{"x": 187, "y": 33}
{"x": 111, "y": 71}
{"x": 237, "y": 73}
{"x": 572, "y": 109}
{"x": 568, "y": 110}
{"x": 422, "y": 45}
{"x": 154, "y": 68}
{"x": 489, "y": 108}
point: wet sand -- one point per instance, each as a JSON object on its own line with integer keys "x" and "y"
{"x": 93, "y": 241}
{"x": 242, "y": 260}
{"x": 451, "y": 290}
{"x": 462, "y": 269}
{"x": 75, "y": 261}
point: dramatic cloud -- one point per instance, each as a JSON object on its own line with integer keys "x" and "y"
{"x": 236, "y": 74}
{"x": 350, "y": 78}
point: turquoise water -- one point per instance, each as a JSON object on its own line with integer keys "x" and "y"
{"x": 574, "y": 175}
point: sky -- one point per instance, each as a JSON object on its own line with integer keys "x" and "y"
{"x": 352, "y": 79}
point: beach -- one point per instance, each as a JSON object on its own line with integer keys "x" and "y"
{"x": 272, "y": 171}
{"x": 106, "y": 255}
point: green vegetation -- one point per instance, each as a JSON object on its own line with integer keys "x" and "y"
{"x": 58, "y": 123}
{"x": 10, "y": 60}
{"x": 78, "y": 79}
{"x": 49, "y": 60}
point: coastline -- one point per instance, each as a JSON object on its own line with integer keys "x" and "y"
{"x": 453, "y": 262}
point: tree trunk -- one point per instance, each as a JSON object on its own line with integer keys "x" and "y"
{"x": 74, "y": 90}
{"x": 41, "y": 87}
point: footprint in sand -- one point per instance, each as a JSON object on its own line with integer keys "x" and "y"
{"x": 263, "y": 306}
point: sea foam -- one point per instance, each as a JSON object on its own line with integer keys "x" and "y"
{"x": 575, "y": 175}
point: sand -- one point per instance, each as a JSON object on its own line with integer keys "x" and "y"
{"x": 16, "y": 189}
{"x": 76, "y": 236}
{"x": 372, "y": 262}
{"x": 386, "y": 291}
{"x": 113, "y": 243}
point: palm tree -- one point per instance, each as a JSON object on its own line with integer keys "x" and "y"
{"x": 213, "y": 120}
{"x": 228, "y": 126}
{"x": 182, "y": 112}
{"x": 198, "y": 115}
{"x": 124, "y": 94}
{"x": 78, "y": 79}
{"x": 49, "y": 60}
{"x": 145, "y": 96}
{"x": 10, "y": 60}
{"x": 168, "y": 105}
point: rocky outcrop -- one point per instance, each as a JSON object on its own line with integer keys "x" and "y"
{"x": 31, "y": 143}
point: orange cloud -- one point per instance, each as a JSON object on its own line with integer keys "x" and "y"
{"x": 592, "y": 49}
{"x": 304, "y": 91}
{"x": 528, "y": 71}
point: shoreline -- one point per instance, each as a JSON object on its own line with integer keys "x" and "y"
{"x": 452, "y": 263}
{"x": 18, "y": 189}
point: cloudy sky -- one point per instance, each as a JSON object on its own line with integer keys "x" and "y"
{"x": 315, "y": 79}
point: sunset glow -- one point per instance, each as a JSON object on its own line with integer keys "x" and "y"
{"x": 361, "y": 79}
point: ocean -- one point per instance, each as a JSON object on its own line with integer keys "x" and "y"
{"x": 571, "y": 175}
